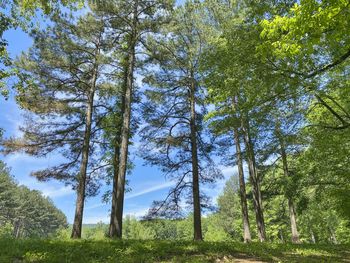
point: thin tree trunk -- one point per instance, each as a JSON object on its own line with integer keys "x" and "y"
{"x": 126, "y": 126}
{"x": 242, "y": 191}
{"x": 281, "y": 236}
{"x": 78, "y": 218}
{"x": 16, "y": 230}
{"x": 333, "y": 237}
{"x": 113, "y": 220}
{"x": 292, "y": 214}
{"x": 313, "y": 239}
{"x": 197, "y": 224}
{"x": 254, "y": 180}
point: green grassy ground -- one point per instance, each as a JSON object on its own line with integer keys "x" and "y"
{"x": 166, "y": 251}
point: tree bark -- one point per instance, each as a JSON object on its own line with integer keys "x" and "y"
{"x": 313, "y": 239}
{"x": 113, "y": 220}
{"x": 78, "y": 218}
{"x": 292, "y": 214}
{"x": 197, "y": 224}
{"x": 79, "y": 209}
{"x": 16, "y": 229}
{"x": 242, "y": 191}
{"x": 333, "y": 237}
{"x": 254, "y": 180}
{"x": 126, "y": 126}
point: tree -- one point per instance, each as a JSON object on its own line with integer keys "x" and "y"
{"x": 130, "y": 21}
{"x": 228, "y": 202}
{"x": 174, "y": 114}
{"x": 61, "y": 74}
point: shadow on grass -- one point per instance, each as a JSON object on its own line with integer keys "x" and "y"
{"x": 32, "y": 250}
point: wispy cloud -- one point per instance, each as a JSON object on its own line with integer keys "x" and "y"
{"x": 20, "y": 158}
{"x": 228, "y": 170}
{"x": 137, "y": 213}
{"x": 96, "y": 206}
{"x": 136, "y": 194}
{"x": 58, "y": 192}
{"x": 150, "y": 190}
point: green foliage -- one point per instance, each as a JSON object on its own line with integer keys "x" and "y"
{"x": 308, "y": 24}
{"x": 20, "y": 13}
{"x": 25, "y": 212}
{"x": 134, "y": 229}
{"x": 6, "y": 230}
{"x": 229, "y": 218}
{"x": 214, "y": 229}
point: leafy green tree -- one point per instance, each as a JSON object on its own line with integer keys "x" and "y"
{"x": 228, "y": 203}
{"x": 134, "y": 229}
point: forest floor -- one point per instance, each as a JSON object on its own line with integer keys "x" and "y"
{"x": 36, "y": 250}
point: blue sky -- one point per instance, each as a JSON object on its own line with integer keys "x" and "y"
{"x": 147, "y": 183}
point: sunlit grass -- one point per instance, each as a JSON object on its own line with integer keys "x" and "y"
{"x": 36, "y": 250}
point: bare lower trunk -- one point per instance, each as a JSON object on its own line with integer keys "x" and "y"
{"x": 333, "y": 237}
{"x": 292, "y": 214}
{"x": 293, "y": 222}
{"x": 197, "y": 223}
{"x": 313, "y": 239}
{"x": 254, "y": 180}
{"x": 17, "y": 229}
{"x": 126, "y": 127}
{"x": 113, "y": 220}
{"x": 78, "y": 218}
{"x": 281, "y": 236}
{"x": 242, "y": 191}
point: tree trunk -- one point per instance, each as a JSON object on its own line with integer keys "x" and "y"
{"x": 292, "y": 214}
{"x": 126, "y": 126}
{"x": 333, "y": 237}
{"x": 281, "y": 236}
{"x": 197, "y": 224}
{"x": 242, "y": 191}
{"x": 78, "y": 218}
{"x": 113, "y": 220}
{"x": 254, "y": 180}
{"x": 16, "y": 229}
{"x": 313, "y": 239}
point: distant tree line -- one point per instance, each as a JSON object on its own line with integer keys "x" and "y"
{"x": 24, "y": 212}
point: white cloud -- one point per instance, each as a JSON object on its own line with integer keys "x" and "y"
{"x": 228, "y": 170}
{"x": 58, "y": 192}
{"x": 105, "y": 218}
{"x": 95, "y": 206}
{"x": 15, "y": 122}
{"x": 150, "y": 190}
{"x": 137, "y": 213}
{"x": 20, "y": 158}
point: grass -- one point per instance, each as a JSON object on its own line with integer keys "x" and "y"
{"x": 36, "y": 250}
